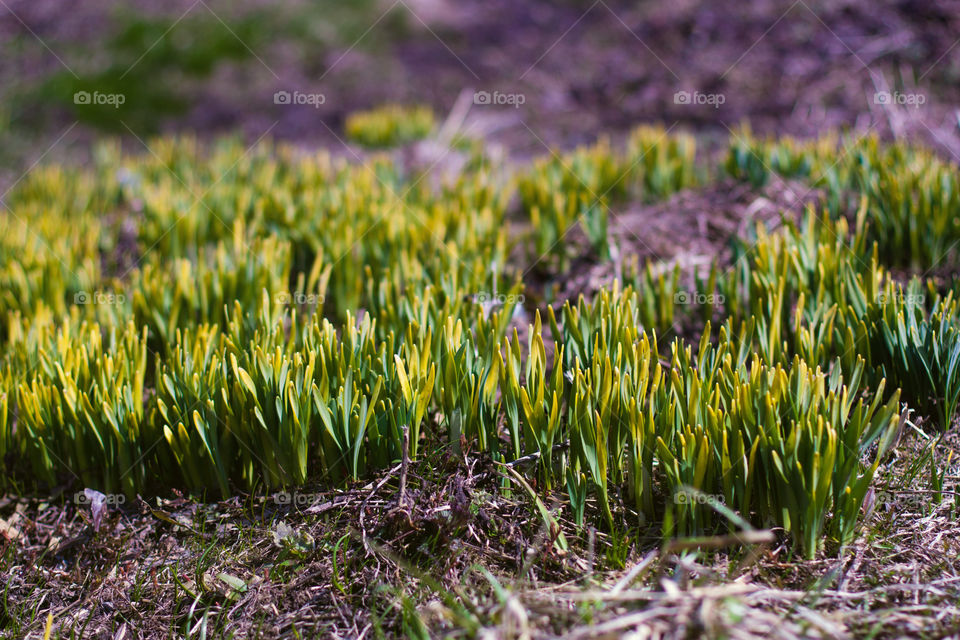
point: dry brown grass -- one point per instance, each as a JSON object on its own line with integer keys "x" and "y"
{"x": 459, "y": 555}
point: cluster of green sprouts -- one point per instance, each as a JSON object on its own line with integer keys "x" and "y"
{"x": 221, "y": 319}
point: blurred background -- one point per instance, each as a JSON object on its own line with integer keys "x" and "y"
{"x": 535, "y": 73}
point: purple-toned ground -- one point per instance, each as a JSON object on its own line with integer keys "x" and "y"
{"x": 579, "y": 67}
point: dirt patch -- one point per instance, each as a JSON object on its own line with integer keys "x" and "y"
{"x": 693, "y": 229}
{"x": 321, "y": 561}
{"x": 581, "y": 67}
{"x": 462, "y": 554}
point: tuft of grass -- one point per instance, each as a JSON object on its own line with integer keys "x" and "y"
{"x": 389, "y": 126}
{"x": 308, "y": 319}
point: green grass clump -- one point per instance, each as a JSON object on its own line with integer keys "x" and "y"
{"x": 214, "y": 319}
{"x": 561, "y": 191}
{"x": 760, "y": 438}
{"x": 390, "y": 125}
{"x": 903, "y": 197}
{"x": 81, "y": 407}
{"x": 785, "y": 445}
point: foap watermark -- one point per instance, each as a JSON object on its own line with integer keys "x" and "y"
{"x": 696, "y": 497}
{"x": 487, "y": 298}
{"x": 299, "y": 98}
{"x": 914, "y": 100}
{"x": 300, "y": 299}
{"x": 98, "y": 503}
{"x": 89, "y": 496}
{"x": 697, "y": 297}
{"x": 99, "y": 98}
{"x": 499, "y": 99}
{"x": 296, "y": 499}
{"x": 98, "y": 297}
{"x": 901, "y": 298}
{"x": 888, "y": 499}
{"x": 698, "y": 98}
